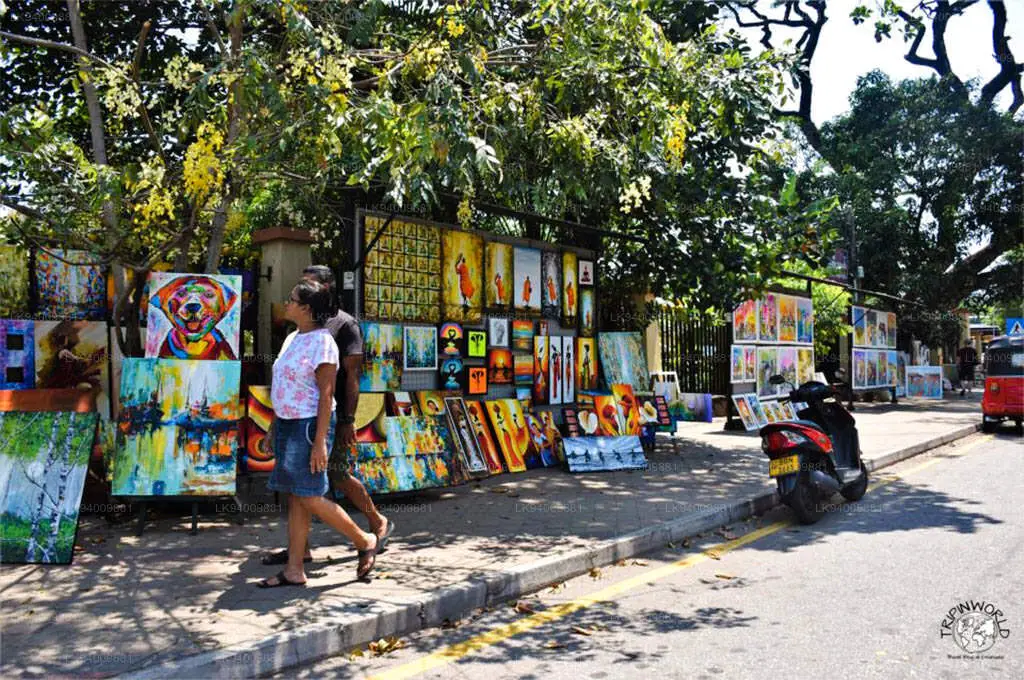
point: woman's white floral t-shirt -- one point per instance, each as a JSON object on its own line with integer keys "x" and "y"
{"x": 294, "y": 392}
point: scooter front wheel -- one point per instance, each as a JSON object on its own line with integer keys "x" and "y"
{"x": 805, "y": 502}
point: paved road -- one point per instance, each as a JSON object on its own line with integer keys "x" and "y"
{"x": 861, "y": 594}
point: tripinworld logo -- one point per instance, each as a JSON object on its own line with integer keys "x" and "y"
{"x": 974, "y": 626}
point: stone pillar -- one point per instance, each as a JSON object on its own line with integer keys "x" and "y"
{"x": 284, "y": 253}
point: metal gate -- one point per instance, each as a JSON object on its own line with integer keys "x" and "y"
{"x": 697, "y": 349}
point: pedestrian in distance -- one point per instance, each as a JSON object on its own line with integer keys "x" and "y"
{"x": 349, "y": 339}
{"x": 302, "y": 391}
{"x": 967, "y": 359}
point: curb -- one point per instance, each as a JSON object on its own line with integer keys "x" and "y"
{"x": 314, "y": 642}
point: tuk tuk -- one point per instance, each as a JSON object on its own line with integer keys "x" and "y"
{"x": 1004, "y": 383}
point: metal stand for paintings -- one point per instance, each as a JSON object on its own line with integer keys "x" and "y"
{"x": 145, "y": 501}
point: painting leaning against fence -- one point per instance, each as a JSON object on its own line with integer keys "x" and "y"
{"x": 44, "y": 457}
{"x": 177, "y": 428}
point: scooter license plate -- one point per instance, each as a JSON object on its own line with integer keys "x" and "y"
{"x": 783, "y": 466}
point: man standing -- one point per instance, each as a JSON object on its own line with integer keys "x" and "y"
{"x": 967, "y": 357}
{"x": 349, "y": 338}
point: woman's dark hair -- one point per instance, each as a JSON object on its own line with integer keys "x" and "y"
{"x": 317, "y": 297}
{"x": 324, "y": 275}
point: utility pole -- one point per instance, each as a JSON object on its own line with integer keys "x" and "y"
{"x": 854, "y": 272}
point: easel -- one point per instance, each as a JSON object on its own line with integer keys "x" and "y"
{"x": 144, "y": 503}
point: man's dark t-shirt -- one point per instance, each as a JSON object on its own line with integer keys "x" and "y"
{"x": 968, "y": 356}
{"x": 345, "y": 329}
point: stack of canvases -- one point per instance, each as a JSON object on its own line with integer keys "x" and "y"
{"x": 773, "y": 335}
{"x": 53, "y": 375}
{"x": 177, "y": 425}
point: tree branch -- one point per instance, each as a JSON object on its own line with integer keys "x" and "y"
{"x": 1010, "y": 70}
{"x": 51, "y": 45}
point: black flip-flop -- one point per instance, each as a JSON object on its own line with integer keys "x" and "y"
{"x": 280, "y": 557}
{"x": 382, "y": 541}
{"x": 282, "y": 580}
{"x": 362, "y": 573}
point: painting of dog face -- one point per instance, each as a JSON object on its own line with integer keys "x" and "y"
{"x": 193, "y": 316}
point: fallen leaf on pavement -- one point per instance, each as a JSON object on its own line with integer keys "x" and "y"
{"x": 620, "y": 563}
{"x": 580, "y": 630}
{"x": 499, "y": 489}
{"x": 553, "y": 644}
{"x": 595, "y": 573}
{"x": 713, "y": 555}
{"x": 385, "y": 646}
{"x": 555, "y": 587}
{"x": 524, "y": 608}
{"x": 639, "y": 563}
{"x": 356, "y": 654}
{"x": 727, "y": 577}
{"x": 448, "y": 624}
{"x": 728, "y": 535}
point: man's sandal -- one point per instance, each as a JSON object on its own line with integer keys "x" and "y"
{"x": 280, "y": 557}
{"x": 282, "y": 580}
{"x": 382, "y": 541}
{"x": 367, "y": 561}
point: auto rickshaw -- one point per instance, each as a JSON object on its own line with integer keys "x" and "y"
{"x": 1004, "y": 383}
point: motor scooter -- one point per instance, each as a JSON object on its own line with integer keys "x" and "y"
{"x": 817, "y": 455}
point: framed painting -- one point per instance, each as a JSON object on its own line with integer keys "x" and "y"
{"x": 804, "y": 364}
{"x": 14, "y": 282}
{"x": 499, "y": 366}
{"x": 43, "y": 465}
{"x": 497, "y": 332}
{"x": 587, "y": 313}
{"x": 570, "y": 290}
{"x": 541, "y": 368}
{"x": 738, "y": 363}
{"x": 401, "y": 404}
{"x": 603, "y": 454}
{"x": 498, "y": 257}
{"x": 624, "y": 360}
{"x": 871, "y": 325}
{"x": 259, "y": 412}
{"x": 860, "y": 369}
{"x": 694, "y": 407}
{"x": 476, "y": 344}
{"x": 892, "y": 370}
{"x": 488, "y": 446}
{"x": 431, "y": 402}
{"x": 452, "y": 377}
{"x": 522, "y": 335}
{"x": 382, "y": 357}
{"x": 881, "y": 369}
{"x": 787, "y": 367}
{"x": 556, "y": 369}
{"x": 629, "y": 407}
{"x": 891, "y": 331}
{"x": 541, "y": 440}
{"x": 768, "y": 318}
{"x": 787, "y": 318}
{"x": 586, "y": 273}
{"x": 553, "y": 434}
{"x": 451, "y": 338}
{"x": 506, "y": 416}
{"x": 767, "y": 366}
{"x": 739, "y": 401}
{"x": 543, "y": 327}
{"x": 464, "y": 437}
{"x": 586, "y": 363}
{"x": 71, "y": 284}
{"x": 551, "y": 284}
{"x": 369, "y": 417}
{"x": 476, "y": 380}
{"x": 17, "y": 355}
{"x": 420, "y": 348}
{"x": 193, "y": 316}
{"x": 528, "y": 280}
{"x": 744, "y": 322}
{"x": 522, "y": 368}
{"x": 568, "y": 369}
{"x": 871, "y": 359}
{"x": 403, "y": 272}
{"x": 804, "y": 321}
{"x": 858, "y": 319}
{"x": 178, "y": 428}
{"x": 524, "y": 397}
{"x": 462, "y": 293}
{"x": 756, "y": 410}
{"x": 73, "y": 353}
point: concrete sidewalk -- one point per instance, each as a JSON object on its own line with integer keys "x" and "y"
{"x": 170, "y": 604}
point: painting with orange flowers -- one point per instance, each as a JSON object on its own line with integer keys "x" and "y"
{"x": 570, "y": 289}
{"x": 586, "y": 364}
{"x": 541, "y": 364}
{"x": 499, "y": 366}
{"x": 498, "y": 276}
{"x": 551, "y": 284}
{"x": 611, "y": 417}
{"x": 462, "y": 294}
{"x": 513, "y": 435}
{"x": 488, "y": 447}
{"x": 630, "y": 408}
{"x": 419, "y": 454}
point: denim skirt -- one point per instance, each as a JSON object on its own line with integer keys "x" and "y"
{"x": 293, "y": 445}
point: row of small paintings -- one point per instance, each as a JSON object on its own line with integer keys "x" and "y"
{"x": 755, "y": 413}
{"x": 774, "y": 318}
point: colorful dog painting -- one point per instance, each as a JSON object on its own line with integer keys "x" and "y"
{"x": 193, "y": 316}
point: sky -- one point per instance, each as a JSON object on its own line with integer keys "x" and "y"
{"x": 847, "y": 52}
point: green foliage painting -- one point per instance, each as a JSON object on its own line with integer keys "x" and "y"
{"x": 43, "y": 462}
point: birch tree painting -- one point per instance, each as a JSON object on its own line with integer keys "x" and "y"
{"x": 43, "y": 461}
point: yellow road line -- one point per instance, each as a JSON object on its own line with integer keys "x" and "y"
{"x": 456, "y": 651}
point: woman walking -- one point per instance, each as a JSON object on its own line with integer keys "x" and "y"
{"x": 302, "y": 392}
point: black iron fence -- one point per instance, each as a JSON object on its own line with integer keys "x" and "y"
{"x": 697, "y": 350}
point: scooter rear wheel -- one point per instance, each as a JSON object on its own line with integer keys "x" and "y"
{"x": 854, "y": 492}
{"x": 805, "y": 502}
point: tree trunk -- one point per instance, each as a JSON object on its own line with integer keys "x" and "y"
{"x": 30, "y": 551}
{"x": 50, "y": 553}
